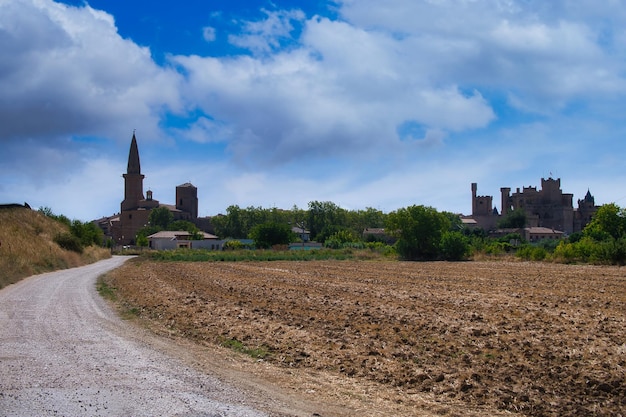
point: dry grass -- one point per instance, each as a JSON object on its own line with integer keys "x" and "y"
{"x": 529, "y": 338}
{"x": 27, "y": 246}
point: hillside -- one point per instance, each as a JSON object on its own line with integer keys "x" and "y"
{"x": 27, "y": 246}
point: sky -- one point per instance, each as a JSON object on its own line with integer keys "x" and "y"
{"x": 279, "y": 103}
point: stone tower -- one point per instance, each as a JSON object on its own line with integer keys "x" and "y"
{"x": 135, "y": 207}
{"x": 133, "y": 179}
{"x": 482, "y": 205}
{"x": 505, "y": 203}
{"x": 187, "y": 200}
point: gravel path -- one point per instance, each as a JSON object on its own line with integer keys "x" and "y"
{"x": 64, "y": 352}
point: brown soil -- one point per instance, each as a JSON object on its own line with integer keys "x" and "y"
{"x": 394, "y": 338}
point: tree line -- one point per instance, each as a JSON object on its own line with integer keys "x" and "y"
{"x": 419, "y": 232}
{"x": 422, "y": 233}
{"x": 80, "y": 234}
{"x": 413, "y": 233}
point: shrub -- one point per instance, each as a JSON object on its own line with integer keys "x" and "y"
{"x": 69, "y": 242}
{"x": 267, "y": 235}
{"x": 532, "y": 253}
{"x": 454, "y": 246}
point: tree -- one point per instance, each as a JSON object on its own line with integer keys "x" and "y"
{"x": 325, "y": 216}
{"x": 454, "y": 246}
{"x": 608, "y": 221}
{"x": 515, "y": 219}
{"x": 341, "y": 239}
{"x": 142, "y": 241}
{"x": 146, "y": 231}
{"x": 88, "y": 233}
{"x": 196, "y": 234}
{"x": 267, "y": 235}
{"x": 161, "y": 217}
{"x": 419, "y": 230}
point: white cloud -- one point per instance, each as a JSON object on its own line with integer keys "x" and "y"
{"x": 66, "y": 71}
{"x": 495, "y": 90}
{"x": 345, "y": 91}
{"x": 208, "y": 33}
{"x": 266, "y": 35}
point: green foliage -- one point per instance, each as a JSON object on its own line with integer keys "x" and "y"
{"x": 515, "y": 219}
{"x": 69, "y": 242}
{"x": 160, "y": 217}
{"x": 532, "y": 253}
{"x": 105, "y": 290}
{"x": 575, "y": 237}
{"x": 608, "y": 221}
{"x": 588, "y": 250}
{"x": 257, "y": 353}
{"x": 322, "y": 219}
{"x": 511, "y": 237}
{"x": 144, "y": 232}
{"x": 419, "y": 230}
{"x": 497, "y": 248}
{"x": 267, "y": 235}
{"x": 325, "y": 217}
{"x": 195, "y": 233}
{"x": 343, "y": 238}
{"x": 456, "y": 225}
{"x": 201, "y": 255}
{"x": 80, "y": 234}
{"x": 233, "y": 245}
{"x": 47, "y": 211}
{"x": 603, "y": 241}
{"x": 237, "y": 223}
{"x": 454, "y": 246}
{"x": 142, "y": 241}
{"x": 88, "y": 233}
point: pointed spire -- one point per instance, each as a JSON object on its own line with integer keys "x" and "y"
{"x": 133, "y": 158}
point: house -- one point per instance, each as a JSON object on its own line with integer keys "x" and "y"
{"x": 167, "y": 239}
{"x": 302, "y": 233}
{"x": 534, "y": 234}
{"x": 378, "y": 234}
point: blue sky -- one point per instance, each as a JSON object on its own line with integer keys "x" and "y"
{"x": 278, "y": 103}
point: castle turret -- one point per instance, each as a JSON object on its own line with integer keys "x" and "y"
{"x": 474, "y": 192}
{"x": 505, "y": 206}
{"x": 187, "y": 200}
{"x": 133, "y": 179}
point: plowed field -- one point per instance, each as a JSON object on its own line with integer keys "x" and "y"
{"x": 464, "y": 338}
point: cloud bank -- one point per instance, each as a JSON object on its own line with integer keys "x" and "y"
{"x": 381, "y": 104}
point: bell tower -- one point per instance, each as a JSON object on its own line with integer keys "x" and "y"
{"x": 133, "y": 179}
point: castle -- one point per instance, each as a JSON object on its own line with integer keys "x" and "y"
{"x": 135, "y": 208}
{"x": 548, "y": 207}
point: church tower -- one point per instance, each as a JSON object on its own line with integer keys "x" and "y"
{"x": 135, "y": 207}
{"x": 133, "y": 179}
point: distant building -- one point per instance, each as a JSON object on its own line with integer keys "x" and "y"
{"x": 181, "y": 239}
{"x": 548, "y": 208}
{"x": 135, "y": 208}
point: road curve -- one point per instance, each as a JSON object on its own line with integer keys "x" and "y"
{"x": 64, "y": 352}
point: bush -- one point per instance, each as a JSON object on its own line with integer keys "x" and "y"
{"x": 454, "y": 246}
{"x": 267, "y": 235}
{"x": 419, "y": 230}
{"x": 69, "y": 242}
{"x": 532, "y": 253}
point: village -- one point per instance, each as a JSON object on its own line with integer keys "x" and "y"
{"x": 549, "y": 212}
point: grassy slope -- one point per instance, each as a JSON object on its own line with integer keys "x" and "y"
{"x": 27, "y": 246}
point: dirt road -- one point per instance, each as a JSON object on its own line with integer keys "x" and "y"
{"x": 63, "y": 351}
